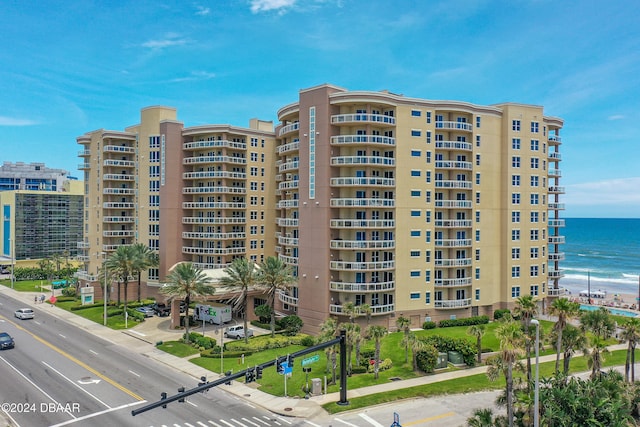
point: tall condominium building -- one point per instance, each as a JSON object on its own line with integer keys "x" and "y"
{"x": 32, "y": 176}
{"x": 410, "y": 207}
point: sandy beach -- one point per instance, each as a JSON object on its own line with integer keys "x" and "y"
{"x": 612, "y": 297}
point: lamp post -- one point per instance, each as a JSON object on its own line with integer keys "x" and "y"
{"x": 12, "y": 253}
{"x": 536, "y": 399}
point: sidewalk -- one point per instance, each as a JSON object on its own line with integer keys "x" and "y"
{"x": 156, "y": 329}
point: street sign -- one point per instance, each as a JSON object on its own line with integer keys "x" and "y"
{"x": 286, "y": 369}
{"x": 310, "y": 360}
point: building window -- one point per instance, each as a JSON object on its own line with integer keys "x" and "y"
{"x": 515, "y": 272}
{"x": 427, "y": 297}
{"x": 535, "y": 145}
{"x": 533, "y": 271}
{"x": 477, "y": 159}
{"x": 415, "y": 172}
{"x": 416, "y": 153}
{"x": 414, "y": 253}
{"x": 415, "y": 233}
{"x": 515, "y": 216}
{"x": 534, "y": 253}
{"x": 477, "y": 197}
{"x": 515, "y": 198}
{"x": 154, "y": 142}
{"x": 515, "y": 143}
{"x": 477, "y": 235}
{"x": 414, "y": 295}
{"x": 427, "y": 216}
{"x": 515, "y": 235}
{"x": 535, "y": 162}
{"x": 515, "y": 161}
{"x": 477, "y": 140}
{"x": 515, "y": 125}
{"x": 477, "y": 216}
{"x": 478, "y": 120}
{"x": 515, "y": 292}
{"x": 534, "y": 235}
{"x": 415, "y": 132}
{"x": 534, "y": 180}
{"x": 427, "y": 276}
{"x": 477, "y": 254}
{"x": 428, "y": 156}
{"x": 477, "y": 273}
{"x": 535, "y": 127}
{"x": 515, "y": 253}
{"x": 415, "y": 213}
{"x": 534, "y": 290}
{"x": 428, "y": 115}
{"x": 415, "y": 273}
{"x": 515, "y": 180}
{"x": 416, "y": 113}
{"x": 415, "y": 193}
{"x": 534, "y": 199}
{"x": 477, "y": 294}
{"x": 428, "y": 137}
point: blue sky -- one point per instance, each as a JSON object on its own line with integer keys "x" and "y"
{"x": 71, "y": 67}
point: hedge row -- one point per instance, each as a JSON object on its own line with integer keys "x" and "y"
{"x": 467, "y": 321}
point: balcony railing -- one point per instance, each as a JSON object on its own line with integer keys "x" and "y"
{"x": 556, "y": 223}
{"x": 556, "y": 189}
{"x": 287, "y": 222}
{"x": 118, "y": 205}
{"x": 353, "y": 265}
{"x": 221, "y": 189}
{"x": 118, "y": 219}
{"x": 287, "y": 299}
{"x": 556, "y": 240}
{"x": 292, "y": 146}
{"x": 288, "y": 259}
{"x": 363, "y": 139}
{"x": 119, "y": 191}
{"x": 352, "y": 181}
{"x": 454, "y": 126}
{"x": 453, "y": 223}
{"x": 289, "y": 185}
{"x": 194, "y": 250}
{"x": 556, "y": 206}
{"x": 289, "y": 128}
{"x": 214, "y": 159}
{"x": 462, "y": 281}
{"x": 453, "y": 303}
{"x": 555, "y": 274}
{"x": 195, "y": 145}
{"x": 213, "y": 205}
{"x": 84, "y": 153}
{"x": 119, "y": 163}
{"x": 288, "y": 241}
{"x": 465, "y": 185}
{"x": 452, "y": 243}
{"x": 118, "y": 233}
{"x": 556, "y": 292}
{"x": 453, "y": 204}
{"x": 362, "y": 117}
{"x": 556, "y": 256}
{"x": 118, "y": 149}
{"x": 118, "y": 177}
{"x": 555, "y": 139}
{"x": 362, "y": 287}
{"x": 214, "y": 174}
{"x": 362, "y": 244}
{"x": 453, "y": 262}
{"x": 213, "y": 220}
{"x": 212, "y": 236}
{"x": 375, "y": 309}
{"x": 357, "y": 203}
{"x": 288, "y": 204}
{"x": 362, "y": 223}
{"x": 453, "y": 164}
{"x": 363, "y": 161}
{"x": 454, "y": 145}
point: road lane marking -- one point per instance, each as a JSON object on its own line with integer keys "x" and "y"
{"x": 345, "y": 422}
{"x": 191, "y": 403}
{"x": 34, "y": 384}
{"x": 72, "y": 382}
{"x": 229, "y": 424}
{"x": 63, "y": 336}
{"x": 236, "y": 421}
{"x": 137, "y": 375}
{"x": 370, "y": 420}
{"x": 136, "y": 332}
{"x": 283, "y": 420}
{"x": 95, "y": 414}
{"x": 202, "y": 424}
{"x": 251, "y": 422}
{"x": 425, "y": 420}
{"x": 262, "y": 421}
{"x": 313, "y": 424}
{"x": 94, "y": 352}
{"x": 80, "y": 363}
{"x": 215, "y": 424}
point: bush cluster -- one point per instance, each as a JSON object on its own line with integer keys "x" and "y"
{"x": 467, "y": 321}
{"x": 382, "y": 366}
{"x": 429, "y": 325}
{"x": 198, "y": 341}
{"x": 427, "y": 358}
{"x": 499, "y": 314}
{"x": 461, "y": 345}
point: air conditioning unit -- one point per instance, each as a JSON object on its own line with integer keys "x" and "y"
{"x": 427, "y": 319}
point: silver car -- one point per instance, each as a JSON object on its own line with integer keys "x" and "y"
{"x": 237, "y": 332}
{"x": 24, "y": 313}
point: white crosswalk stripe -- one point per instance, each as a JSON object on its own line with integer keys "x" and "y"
{"x": 262, "y": 421}
{"x": 345, "y": 422}
{"x": 250, "y": 422}
{"x": 238, "y": 422}
{"x": 214, "y": 424}
{"x": 370, "y": 420}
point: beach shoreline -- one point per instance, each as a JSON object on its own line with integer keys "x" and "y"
{"x": 614, "y": 296}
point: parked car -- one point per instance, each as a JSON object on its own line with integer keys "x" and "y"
{"x": 237, "y": 332}
{"x": 146, "y": 310}
{"x": 161, "y": 309}
{"x": 24, "y": 313}
{"x": 6, "y": 341}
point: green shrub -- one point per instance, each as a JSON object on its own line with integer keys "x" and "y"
{"x": 359, "y": 369}
{"x": 467, "y": 321}
{"x": 429, "y": 325}
{"x": 427, "y": 358}
{"x": 382, "y": 366}
{"x": 499, "y": 314}
{"x": 307, "y": 341}
{"x": 291, "y": 324}
{"x": 69, "y": 291}
{"x": 467, "y": 349}
{"x": 66, "y": 298}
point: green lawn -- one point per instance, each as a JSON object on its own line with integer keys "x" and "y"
{"x": 178, "y": 348}
{"x": 96, "y": 314}
{"x": 29, "y": 286}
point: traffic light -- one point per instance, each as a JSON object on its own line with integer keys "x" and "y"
{"x": 163, "y": 396}
{"x": 290, "y": 360}
{"x": 228, "y": 374}
{"x": 181, "y": 390}
{"x": 258, "y": 372}
{"x": 280, "y": 362}
{"x": 249, "y": 376}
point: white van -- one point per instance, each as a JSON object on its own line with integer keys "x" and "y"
{"x": 24, "y": 313}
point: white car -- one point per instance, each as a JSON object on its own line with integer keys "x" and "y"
{"x": 24, "y": 313}
{"x": 237, "y": 332}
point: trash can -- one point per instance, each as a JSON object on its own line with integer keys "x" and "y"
{"x": 316, "y": 386}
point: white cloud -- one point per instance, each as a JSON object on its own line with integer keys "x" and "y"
{"x": 195, "y": 75}
{"x": 616, "y": 117}
{"x": 12, "y": 121}
{"x": 170, "y": 39}
{"x": 614, "y": 192}
{"x": 202, "y": 11}
{"x": 267, "y": 5}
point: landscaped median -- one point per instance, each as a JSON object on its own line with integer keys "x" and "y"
{"x": 95, "y": 312}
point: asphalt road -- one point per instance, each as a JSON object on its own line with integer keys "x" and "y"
{"x": 59, "y": 374}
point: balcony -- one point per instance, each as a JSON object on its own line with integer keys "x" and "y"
{"x": 118, "y": 205}
{"x": 556, "y": 292}
{"x": 118, "y": 177}
{"x": 452, "y": 243}
{"x": 453, "y": 165}
{"x": 119, "y": 191}
{"x": 214, "y": 159}
{"x": 290, "y": 147}
{"x": 555, "y": 140}
{"x": 288, "y": 259}
{"x": 363, "y": 161}
{"x": 554, "y": 189}
{"x": 555, "y": 173}
{"x": 287, "y": 299}
{"x": 453, "y": 204}
{"x": 194, "y": 250}
{"x": 200, "y": 235}
{"x": 468, "y": 127}
{"x": 556, "y": 206}
{"x": 352, "y": 181}
{"x": 362, "y": 203}
{"x": 455, "y": 184}
{"x": 556, "y": 240}
{"x": 452, "y": 303}
{"x": 363, "y": 139}
{"x": 353, "y": 265}
{"x": 118, "y": 233}
{"x": 287, "y": 222}
{"x": 289, "y": 166}
{"x": 118, "y": 219}
{"x": 288, "y": 241}
{"x": 288, "y": 204}
{"x": 453, "y": 223}
{"x": 453, "y": 262}
{"x": 362, "y": 223}
{"x": 293, "y": 127}
{"x": 118, "y": 149}
{"x": 220, "y": 189}
{"x": 555, "y": 274}
{"x": 361, "y": 287}
{"x": 362, "y": 118}
{"x": 219, "y": 143}
{"x": 288, "y": 185}
{"x": 556, "y": 223}
{"x": 214, "y": 174}
{"x": 213, "y": 220}
{"x": 82, "y": 245}
{"x": 362, "y": 244}
{"x": 84, "y": 166}
{"x": 454, "y": 145}
{"x": 556, "y": 256}
{"x": 554, "y": 156}
{"x": 376, "y": 310}
{"x": 119, "y": 163}
{"x": 84, "y": 153}
{"x": 213, "y": 205}
{"x": 451, "y": 283}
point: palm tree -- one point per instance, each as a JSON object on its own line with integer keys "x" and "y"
{"x": 188, "y": 282}
{"x": 366, "y": 310}
{"x": 631, "y": 334}
{"x": 143, "y": 258}
{"x": 565, "y": 310}
{"x": 403, "y": 325}
{"x": 275, "y": 276}
{"x": 328, "y": 331}
{"x": 478, "y": 332}
{"x": 350, "y": 310}
{"x": 376, "y": 333}
{"x": 510, "y": 335}
{"x": 241, "y": 275}
{"x": 573, "y": 340}
{"x": 120, "y": 263}
{"x": 353, "y": 332}
{"x": 417, "y": 345}
{"x": 602, "y": 326}
{"x": 526, "y": 309}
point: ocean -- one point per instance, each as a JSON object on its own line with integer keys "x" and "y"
{"x": 605, "y": 251}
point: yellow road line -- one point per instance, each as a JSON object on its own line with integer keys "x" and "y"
{"x": 78, "y": 362}
{"x": 426, "y": 420}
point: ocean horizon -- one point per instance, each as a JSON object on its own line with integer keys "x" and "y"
{"x": 604, "y": 252}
